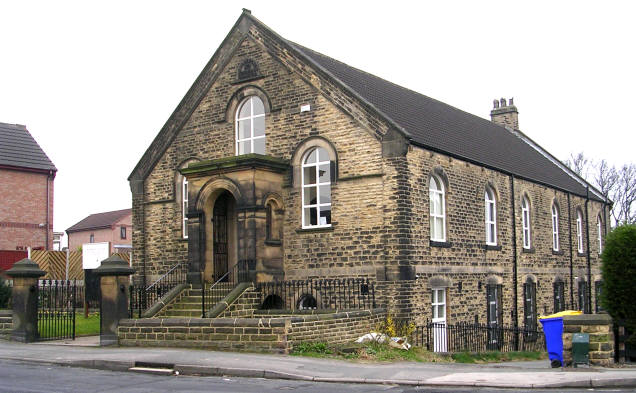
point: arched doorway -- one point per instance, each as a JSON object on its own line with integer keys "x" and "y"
{"x": 220, "y": 228}
{"x": 220, "y": 235}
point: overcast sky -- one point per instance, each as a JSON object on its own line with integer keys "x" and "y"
{"x": 94, "y": 82}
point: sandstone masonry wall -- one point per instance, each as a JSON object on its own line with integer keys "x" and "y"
{"x": 599, "y": 327}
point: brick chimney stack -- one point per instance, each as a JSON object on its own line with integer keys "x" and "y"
{"x": 505, "y": 114}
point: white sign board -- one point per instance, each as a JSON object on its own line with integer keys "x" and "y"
{"x": 93, "y": 254}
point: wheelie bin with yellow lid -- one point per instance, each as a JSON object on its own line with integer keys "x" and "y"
{"x": 553, "y": 330}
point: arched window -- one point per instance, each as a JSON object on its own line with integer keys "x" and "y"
{"x": 579, "y": 231}
{"x": 599, "y": 228}
{"x": 184, "y": 207}
{"x": 525, "y": 222}
{"x": 491, "y": 217}
{"x": 555, "y": 228}
{"x": 316, "y": 190}
{"x": 250, "y": 126}
{"x": 437, "y": 209}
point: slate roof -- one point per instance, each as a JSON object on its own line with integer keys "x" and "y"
{"x": 99, "y": 220}
{"x": 441, "y": 127}
{"x": 426, "y": 122}
{"x": 19, "y": 149}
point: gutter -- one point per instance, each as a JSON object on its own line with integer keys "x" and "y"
{"x": 503, "y": 171}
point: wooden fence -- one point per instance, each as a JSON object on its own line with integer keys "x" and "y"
{"x": 54, "y": 263}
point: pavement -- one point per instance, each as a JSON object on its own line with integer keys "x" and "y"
{"x": 86, "y": 352}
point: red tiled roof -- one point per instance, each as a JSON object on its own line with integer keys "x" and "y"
{"x": 99, "y": 220}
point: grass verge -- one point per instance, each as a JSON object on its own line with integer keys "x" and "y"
{"x": 375, "y": 352}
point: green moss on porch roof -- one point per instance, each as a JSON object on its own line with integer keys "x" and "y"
{"x": 242, "y": 161}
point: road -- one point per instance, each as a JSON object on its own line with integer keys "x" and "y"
{"x": 18, "y": 377}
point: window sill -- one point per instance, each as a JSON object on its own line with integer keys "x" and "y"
{"x": 183, "y": 239}
{"x": 492, "y": 247}
{"x": 273, "y": 243}
{"x": 581, "y": 254}
{"x": 441, "y": 244}
{"x": 557, "y": 252}
{"x": 317, "y": 230}
{"x": 528, "y": 250}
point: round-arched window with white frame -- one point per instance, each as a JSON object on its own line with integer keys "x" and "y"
{"x": 491, "y": 217}
{"x": 316, "y": 189}
{"x": 437, "y": 209}
{"x": 250, "y": 126}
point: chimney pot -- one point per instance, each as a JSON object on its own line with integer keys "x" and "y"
{"x": 495, "y": 104}
{"x": 505, "y": 115}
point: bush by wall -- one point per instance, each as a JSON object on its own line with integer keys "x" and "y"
{"x": 619, "y": 269}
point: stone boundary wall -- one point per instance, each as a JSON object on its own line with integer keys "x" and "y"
{"x": 248, "y": 334}
{"x": 339, "y": 327}
{"x": 6, "y": 323}
{"x": 239, "y": 334}
{"x": 599, "y": 327}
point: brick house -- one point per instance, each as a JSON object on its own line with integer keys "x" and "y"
{"x": 303, "y": 167}
{"x": 114, "y": 227}
{"x": 26, "y": 186}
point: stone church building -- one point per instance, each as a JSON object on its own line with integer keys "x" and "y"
{"x": 299, "y": 166}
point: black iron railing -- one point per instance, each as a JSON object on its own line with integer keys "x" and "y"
{"x": 322, "y": 294}
{"x": 142, "y": 298}
{"x": 217, "y": 291}
{"x": 57, "y": 300}
{"x": 471, "y": 337}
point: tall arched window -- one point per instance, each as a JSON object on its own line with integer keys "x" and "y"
{"x": 579, "y": 231}
{"x": 437, "y": 209}
{"x": 316, "y": 190}
{"x": 555, "y": 228}
{"x": 525, "y": 222}
{"x": 491, "y": 217}
{"x": 184, "y": 207}
{"x": 599, "y": 228}
{"x": 250, "y": 126}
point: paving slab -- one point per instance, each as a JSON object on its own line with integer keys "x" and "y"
{"x": 85, "y": 352}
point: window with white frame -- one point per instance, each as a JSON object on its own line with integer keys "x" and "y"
{"x": 316, "y": 189}
{"x": 491, "y": 217}
{"x": 437, "y": 209}
{"x": 438, "y": 302}
{"x": 525, "y": 222}
{"x": 184, "y": 207}
{"x": 250, "y": 126}
{"x": 579, "y": 231}
{"x": 599, "y": 228}
{"x": 555, "y": 228}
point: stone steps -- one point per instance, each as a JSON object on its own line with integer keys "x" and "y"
{"x": 189, "y": 303}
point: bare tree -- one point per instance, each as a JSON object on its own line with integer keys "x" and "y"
{"x": 624, "y": 211}
{"x": 605, "y": 177}
{"x": 617, "y": 185}
{"x": 579, "y": 164}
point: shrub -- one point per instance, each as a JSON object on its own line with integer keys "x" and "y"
{"x": 619, "y": 269}
{"x": 394, "y": 328}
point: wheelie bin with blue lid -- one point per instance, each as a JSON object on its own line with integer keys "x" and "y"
{"x": 553, "y": 330}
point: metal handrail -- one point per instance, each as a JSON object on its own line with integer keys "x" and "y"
{"x": 164, "y": 276}
{"x": 235, "y": 275}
